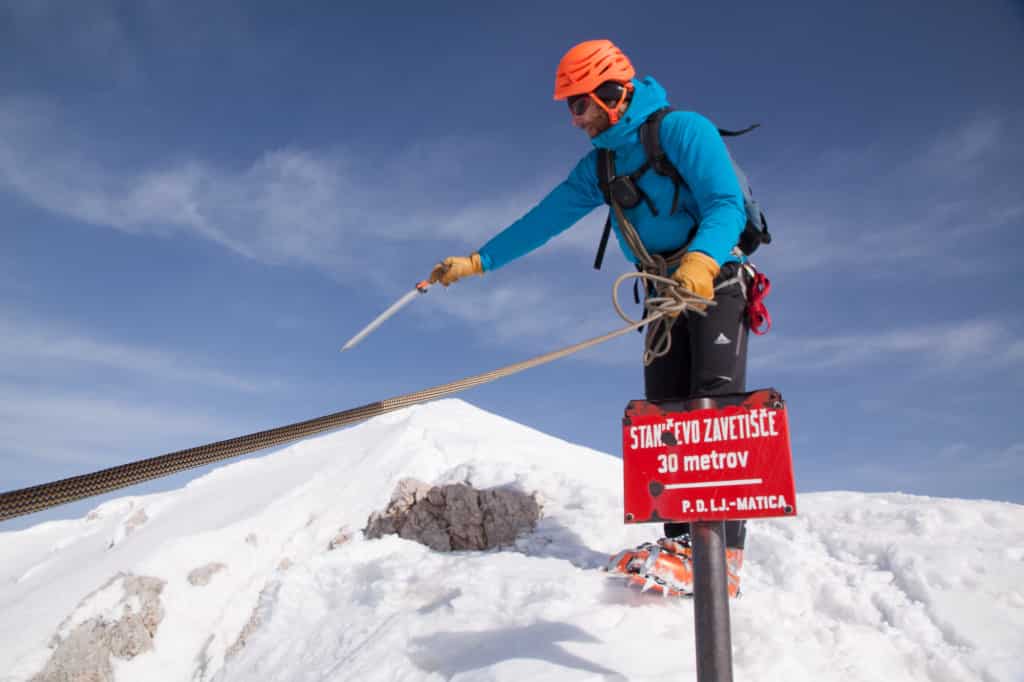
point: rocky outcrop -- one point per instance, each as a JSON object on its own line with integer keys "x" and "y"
{"x": 455, "y": 516}
{"x": 118, "y": 620}
{"x": 260, "y": 614}
{"x": 201, "y": 576}
{"x": 342, "y": 537}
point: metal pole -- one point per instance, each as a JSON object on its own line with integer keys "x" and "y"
{"x": 712, "y": 630}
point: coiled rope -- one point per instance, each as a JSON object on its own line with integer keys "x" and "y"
{"x": 664, "y": 293}
{"x": 661, "y": 311}
{"x": 37, "y": 498}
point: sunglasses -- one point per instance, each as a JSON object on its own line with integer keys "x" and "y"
{"x": 578, "y": 104}
{"x": 606, "y": 92}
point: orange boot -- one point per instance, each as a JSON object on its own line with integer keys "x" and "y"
{"x": 667, "y": 567}
{"x": 733, "y": 564}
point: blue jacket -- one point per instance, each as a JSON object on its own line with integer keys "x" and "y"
{"x": 695, "y": 148}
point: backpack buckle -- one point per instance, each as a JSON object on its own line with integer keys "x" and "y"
{"x": 624, "y": 191}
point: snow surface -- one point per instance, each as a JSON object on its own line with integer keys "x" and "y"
{"x": 858, "y": 587}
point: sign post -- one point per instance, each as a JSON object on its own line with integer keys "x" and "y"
{"x": 712, "y": 631}
{"x": 706, "y": 461}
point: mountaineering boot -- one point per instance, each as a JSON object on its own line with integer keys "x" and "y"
{"x": 733, "y": 564}
{"x": 667, "y": 567}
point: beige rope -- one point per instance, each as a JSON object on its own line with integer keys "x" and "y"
{"x": 36, "y": 498}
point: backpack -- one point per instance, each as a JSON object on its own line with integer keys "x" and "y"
{"x": 625, "y": 190}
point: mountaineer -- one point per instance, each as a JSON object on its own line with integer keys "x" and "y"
{"x": 686, "y": 215}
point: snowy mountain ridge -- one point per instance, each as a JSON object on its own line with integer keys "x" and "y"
{"x": 258, "y": 570}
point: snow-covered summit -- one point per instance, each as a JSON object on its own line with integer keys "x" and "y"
{"x": 234, "y": 575}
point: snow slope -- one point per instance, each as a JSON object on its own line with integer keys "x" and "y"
{"x": 858, "y": 587}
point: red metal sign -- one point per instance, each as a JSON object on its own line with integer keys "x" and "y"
{"x": 722, "y": 458}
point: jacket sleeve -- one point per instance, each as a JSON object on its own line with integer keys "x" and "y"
{"x": 574, "y": 198}
{"x": 694, "y": 146}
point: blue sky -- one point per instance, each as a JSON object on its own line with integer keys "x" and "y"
{"x": 201, "y": 201}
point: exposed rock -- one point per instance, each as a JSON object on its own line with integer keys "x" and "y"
{"x": 128, "y": 526}
{"x": 123, "y": 628}
{"x": 260, "y": 613}
{"x": 202, "y": 575}
{"x": 136, "y": 521}
{"x": 455, "y": 516}
{"x": 203, "y": 659}
{"x": 340, "y": 538}
{"x": 251, "y": 539}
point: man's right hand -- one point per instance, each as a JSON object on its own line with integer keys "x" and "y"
{"x": 454, "y": 268}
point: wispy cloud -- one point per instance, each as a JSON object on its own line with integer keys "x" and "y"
{"x": 310, "y": 208}
{"x": 76, "y": 427}
{"x": 955, "y": 469}
{"x": 88, "y": 38}
{"x": 528, "y": 315}
{"x": 36, "y": 347}
{"x": 320, "y": 207}
{"x": 45, "y": 415}
{"x": 538, "y": 315}
{"x": 963, "y": 152}
{"x": 905, "y": 202}
{"x": 324, "y": 209}
{"x": 288, "y": 206}
{"x": 980, "y": 343}
{"x": 1005, "y": 460}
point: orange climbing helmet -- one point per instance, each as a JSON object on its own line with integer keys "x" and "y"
{"x": 587, "y": 65}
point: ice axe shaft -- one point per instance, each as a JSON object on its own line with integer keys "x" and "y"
{"x": 421, "y": 288}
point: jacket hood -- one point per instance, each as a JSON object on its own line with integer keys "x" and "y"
{"x": 648, "y": 97}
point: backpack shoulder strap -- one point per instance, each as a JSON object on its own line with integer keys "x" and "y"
{"x": 724, "y": 132}
{"x": 599, "y": 257}
{"x": 605, "y": 172}
{"x": 650, "y": 137}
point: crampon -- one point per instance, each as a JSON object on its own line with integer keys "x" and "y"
{"x": 666, "y": 567}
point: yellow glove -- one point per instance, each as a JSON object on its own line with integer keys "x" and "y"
{"x": 454, "y": 268}
{"x": 697, "y": 274}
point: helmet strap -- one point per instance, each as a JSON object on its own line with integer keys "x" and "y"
{"x": 613, "y": 112}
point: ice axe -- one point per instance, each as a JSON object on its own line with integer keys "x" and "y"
{"x": 420, "y": 288}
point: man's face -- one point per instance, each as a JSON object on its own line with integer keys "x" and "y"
{"x": 594, "y": 120}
